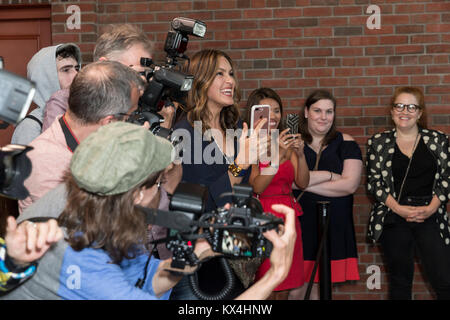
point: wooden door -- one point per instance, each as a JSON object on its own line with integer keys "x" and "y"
{"x": 24, "y": 30}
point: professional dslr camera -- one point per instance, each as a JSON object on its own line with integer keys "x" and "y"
{"x": 236, "y": 232}
{"x": 16, "y": 94}
{"x": 165, "y": 84}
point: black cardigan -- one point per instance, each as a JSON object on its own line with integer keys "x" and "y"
{"x": 380, "y": 181}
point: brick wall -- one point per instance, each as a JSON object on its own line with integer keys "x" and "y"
{"x": 295, "y": 46}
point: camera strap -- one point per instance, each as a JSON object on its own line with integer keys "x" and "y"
{"x": 71, "y": 141}
{"x": 30, "y": 116}
{"x": 409, "y": 165}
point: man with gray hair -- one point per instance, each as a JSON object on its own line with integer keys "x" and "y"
{"x": 103, "y": 92}
{"x": 124, "y": 43}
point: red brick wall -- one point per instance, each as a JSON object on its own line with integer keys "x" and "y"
{"x": 295, "y": 46}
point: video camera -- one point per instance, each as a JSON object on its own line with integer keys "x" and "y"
{"x": 236, "y": 232}
{"x": 16, "y": 94}
{"x": 165, "y": 84}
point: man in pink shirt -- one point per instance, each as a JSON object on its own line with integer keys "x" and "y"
{"x": 103, "y": 92}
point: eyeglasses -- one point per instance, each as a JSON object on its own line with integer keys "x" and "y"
{"x": 161, "y": 180}
{"x": 122, "y": 116}
{"x": 399, "y": 107}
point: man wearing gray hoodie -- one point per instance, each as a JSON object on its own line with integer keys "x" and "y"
{"x": 51, "y": 69}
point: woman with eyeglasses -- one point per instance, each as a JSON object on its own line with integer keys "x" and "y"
{"x": 408, "y": 172}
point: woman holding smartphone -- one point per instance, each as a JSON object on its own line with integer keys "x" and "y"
{"x": 272, "y": 183}
{"x": 217, "y": 151}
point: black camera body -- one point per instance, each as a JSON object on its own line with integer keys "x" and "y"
{"x": 16, "y": 95}
{"x": 165, "y": 84}
{"x": 15, "y": 167}
{"x": 235, "y": 232}
{"x": 241, "y": 233}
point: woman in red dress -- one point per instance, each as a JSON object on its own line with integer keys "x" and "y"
{"x": 272, "y": 184}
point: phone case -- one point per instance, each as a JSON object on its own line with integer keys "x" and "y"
{"x": 258, "y": 112}
{"x": 291, "y": 122}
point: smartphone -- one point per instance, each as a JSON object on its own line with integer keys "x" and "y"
{"x": 258, "y": 112}
{"x": 291, "y": 121}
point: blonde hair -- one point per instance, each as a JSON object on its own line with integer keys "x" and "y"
{"x": 119, "y": 38}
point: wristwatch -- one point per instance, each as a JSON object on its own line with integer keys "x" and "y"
{"x": 236, "y": 171}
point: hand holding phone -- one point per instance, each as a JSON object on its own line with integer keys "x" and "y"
{"x": 291, "y": 121}
{"x": 259, "y": 112}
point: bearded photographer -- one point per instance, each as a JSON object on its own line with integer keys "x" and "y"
{"x": 103, "y": 255}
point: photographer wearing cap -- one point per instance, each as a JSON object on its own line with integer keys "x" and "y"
{"x": 117, "y": 167}
{"x": 102, "y": 92}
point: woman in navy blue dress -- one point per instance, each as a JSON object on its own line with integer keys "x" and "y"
{"x": 217, "y": 151}
{"x": 335, "y": 178}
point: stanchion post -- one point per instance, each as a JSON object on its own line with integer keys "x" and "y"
{"x": 323, "y": 216}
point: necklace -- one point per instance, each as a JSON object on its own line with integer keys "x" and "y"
{"x": 406, "y": 145}
{"x": 228, "y": 159}
{"x": 409, "y": 165}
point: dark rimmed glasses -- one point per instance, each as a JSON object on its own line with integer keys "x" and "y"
{"x": 412, "y": 108}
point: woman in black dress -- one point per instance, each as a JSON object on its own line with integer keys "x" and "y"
{"x": 335, "y": 163}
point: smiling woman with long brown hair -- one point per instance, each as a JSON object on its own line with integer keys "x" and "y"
{"x": 217, "y": 158}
